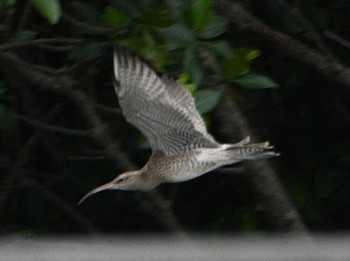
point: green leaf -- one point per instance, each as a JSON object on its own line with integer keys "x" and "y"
{"x": 234, "y": 67}
{"x": 7, "y": 121}
{"x": 202, "y": 13}
{"x": 176, "y": 36}
{"x": 149, "y": 39}
{"x": 113, "y": 17}
{"x": 221, "y": 48}
{"x": 192, "y": 65}
{"x": 135, "y": 42}
{"x": 156, "y": 55}
{"x": 9, "y": 2}
{"x": 147, "y": 46}
{"x": 88, "y": 13}
{"x": 217, "y": 27}
{"x": 178, "y": 10}
{"x": 184, "y": 80}
{"x": 255, "y": 81}
{"x": 49, "y": 9}
{"x": 207, "y": 99}
{"x": 87, "y": 51}
{"x": 24, "y": 36}
{"x": 239, "y": 64}
{"x": 251, "y": 54}
{"x": 152, "y": 19}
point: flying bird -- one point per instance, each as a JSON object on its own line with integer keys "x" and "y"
{"x": 182, "y": 148}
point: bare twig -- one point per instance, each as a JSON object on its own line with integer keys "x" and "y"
{"x": 49, "y": 127}
{"x": 55, "y": 48}
{"x": 5, "y": 189}
{"x": 56, "y": 200}
{"x": 57, "y": 42}
{"x": 63, "y": 86}
{"x": 25, "y": 12}
{"x": 28, "y": 65}
{"x": 88, "y": 28}
{"x": 337, "y": 39}
{"x": 17, "y": 177}
{"x": 107, "y": 109}
{"x": 86, "y": 158}
{"x": 295, "y": 11}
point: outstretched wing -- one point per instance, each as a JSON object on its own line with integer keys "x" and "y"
{"x": 158, "y": 106}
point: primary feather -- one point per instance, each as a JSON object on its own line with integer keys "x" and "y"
{"x": 158, "y": 106}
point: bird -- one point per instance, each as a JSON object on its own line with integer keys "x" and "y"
{"x": 164, "y": 111}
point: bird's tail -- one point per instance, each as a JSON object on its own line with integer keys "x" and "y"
{"x": 244, "y": 150}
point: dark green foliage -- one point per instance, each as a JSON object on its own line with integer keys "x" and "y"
{"x": 49, "y": 9}
{"x": 255, "y": 81}
{"x": 7, "y": 122}
{"x": 114, "y": 18}
{"x": 207, "y": 99}
{"x": 306, "y": 117}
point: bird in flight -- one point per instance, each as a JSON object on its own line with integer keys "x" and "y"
{"x": 182, "y": 148}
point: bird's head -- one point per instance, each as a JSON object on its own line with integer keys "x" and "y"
{"x": 131, "y": 180}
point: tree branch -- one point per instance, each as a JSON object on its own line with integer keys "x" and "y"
{"x": 280, "y": 210}
{"x": 237, "y": 14}
{"x": 264, "y": 181}
{"x": 12, "y": 175}
{"x": 53, "y": 198}
{"x": 108, "y": 109}
{"x": 62, "y": 85}
{"x": 23, "y": 18}
{"x": 88, "y": 28}
{"x": 86, "y": 158}
{"x": 295, "y": 11}
{"x": 337, "y": 39}
{"x": 45, "y": 126}
{"x": 52, "y": 42}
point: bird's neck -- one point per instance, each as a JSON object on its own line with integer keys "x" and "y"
{"x": 143, "y": 180}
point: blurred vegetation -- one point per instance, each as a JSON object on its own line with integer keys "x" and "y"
{"x": 305, "y": 114}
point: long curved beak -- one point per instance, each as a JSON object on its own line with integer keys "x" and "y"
{"x": 98, "y": 189}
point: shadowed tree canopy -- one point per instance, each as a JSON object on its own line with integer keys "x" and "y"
{"x": 276, "y": 70}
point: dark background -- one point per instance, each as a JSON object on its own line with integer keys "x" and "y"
{"x": 282, "y": 63}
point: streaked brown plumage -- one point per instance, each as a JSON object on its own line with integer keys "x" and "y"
{"x": 165, "y": 113}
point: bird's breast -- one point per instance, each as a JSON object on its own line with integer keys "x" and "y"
{"x": 182, "y": 167}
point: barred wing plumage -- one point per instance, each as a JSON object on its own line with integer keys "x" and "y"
{"x": 158, "y": 106}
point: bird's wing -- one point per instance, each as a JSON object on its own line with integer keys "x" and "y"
{"x": 158, "y": 106}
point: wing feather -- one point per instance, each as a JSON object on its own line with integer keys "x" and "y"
{"x": 158, "y": 106}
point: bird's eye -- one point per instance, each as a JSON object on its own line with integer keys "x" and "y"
{"x": 120, "y": 180}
